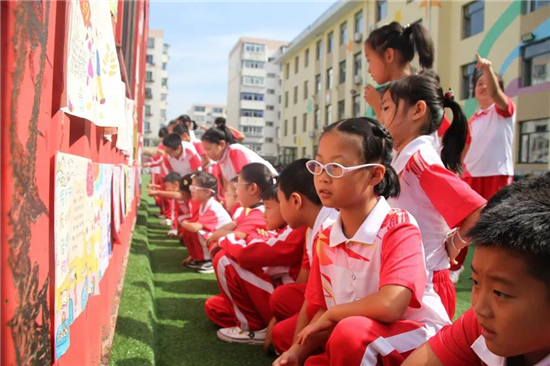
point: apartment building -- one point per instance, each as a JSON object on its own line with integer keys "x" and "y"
{"x": 205, "y": 114}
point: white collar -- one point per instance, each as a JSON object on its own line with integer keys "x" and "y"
{"x": 203, "y": 209}
{"x": 401, "y": 159}
{"x": 489, "y": 358}
{"x": 368, "y": 231}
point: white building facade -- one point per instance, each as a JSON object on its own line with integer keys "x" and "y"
{"x": 205, "y": 114}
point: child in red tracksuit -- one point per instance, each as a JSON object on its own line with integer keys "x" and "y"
{"x": 211, "y": 216}
{"x": 249, "y": 270}
{"x": 169, "y": 195}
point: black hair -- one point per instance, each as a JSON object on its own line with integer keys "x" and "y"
{"x": 185, "y": 182}
{"x": 295, "y": 178}
{"x": 184, "y": 118}
{"x": 206, "y": 180}
{"x": 172, "y": 177}
{"x": 430, "y": 73}
{"x": 517, "y": 218}
{"x": 271, "y": 193}
{"x": 377, "y": 148}
{"x": 163, "y": 132}
{"x": 173, "y": 141}
{"x": 414, "y": 88}
{"x": 406, "y": 40}
{"x": 478, "y": 74}
{"x": 259, "y": 174}
{"x": 172, "y": 122}
{"x": 181, "y": 129}
{"x": 219, "y": 133}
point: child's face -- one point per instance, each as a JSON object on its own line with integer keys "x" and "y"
{"x": 231, "y": 195}
{"x": 397, "y": 119}
{"x": 185, "y": 137}
{"x": 272, "y": 215}
{"x": 336, "y": 147}
{"x": 186, "y": 196}
{"x": 481, "y": 92}
{"x": 170, "y": 186}
{"x": 200, "y": 194}
{"x": 247, "y": 193}
{"x": 212, "y": 150}
{"x": 377, "y": 66}
{"x": 173, "y": 153}
{"x": 512, "y": 306}
{"x": 290, "y": 209}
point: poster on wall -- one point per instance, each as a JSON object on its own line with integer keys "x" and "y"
{"x": 125, "y": 139}
{"x": 130, "y": 188}
{"x": 103, "y": 177}
{"x": 95, "y": 90}
{"x": 116, "y": 198}
{"x": 122, "y": 185}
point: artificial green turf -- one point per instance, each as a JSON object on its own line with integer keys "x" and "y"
{"x": 161, "y": 317}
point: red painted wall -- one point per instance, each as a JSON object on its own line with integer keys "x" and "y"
{"x": 33, "y": 129}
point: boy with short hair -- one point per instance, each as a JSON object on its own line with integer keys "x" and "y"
{"x": 509, "y": 322}
{"x": 182, "y": 157}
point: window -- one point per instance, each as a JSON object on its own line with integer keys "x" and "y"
{"x": 286, "y": 99}
{"x": 356, "y": 106}
{"x": 317, "y": 119}
{"x": 533, "y": 143}
{"x": 381, "y": 9}
{"x": 536, "y": 63}
{"x": 148, "y": 110}
{"x": 279, "y": 99}
{"x": 199, "y": 118}
{"x": 146, "y": 142}
{"x": 296, "y": 64}
{"x": 343, "y": 33}
{"x": 357, "y": 64}
{"x": 257, "y": 148}
{"x": 287, "y": 73}
{"x": 330, "y": 42}
{"x": 329, "y": 78}
{"x": 304, "y": 122}
{"x": 252, "y": 130}
{"x": 270, "y": 108}
{"x": 218, "y": 110}
{"x": 328, "y": 114}
{"x": 253, "y": 80}
{"x": 341, "y": 109}
{"x": 318, "y": 83}
{"x": 253, "y": 64}
{"x": 342, "y": 72}
{"x": 150, "y": 42}
{"x": 296, "y": 94}
{"x": 163, "y": 113}
{"x": 147, "y": 124}
{"x": 306, "y": 58}
{"x": 148, "y": 93}
{"x": 150, "y": 59}
{"x": 319, "y": 49}
{"x": 467, "y": 87}
{"x": 271, "y": 75}
{"x": 286, "y": 127}
{"x": 269, "y": 139}
{"x": 269, "y": 124}
{"x": 252, "y": 113}
{"x": 305, "y": 89}
{"x": 164, "y": 65}
{"x": 254, "y": 47}
{"x": 199, "y": 109}
{"x": 252, "y": 96}
{"x": 165, "y": 48}
{"x": 359, "y": 22}
{"x": 149, "y": 75}
{"x": 164, "y": 81}
{"x": 534, "y": 5}
{"x": 163, "y": 96}
{"x": 472, "y": 18}
{"x": 294, "y": 125}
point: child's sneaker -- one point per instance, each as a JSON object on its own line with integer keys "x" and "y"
{"x": 194, "y": 264}
{"x": 455, "y": 275}
{"x": 206, "y": 267}
{"x": 237, "y": 335}
{"x": 173, "y": 233}
{"x": 166, "y": 222}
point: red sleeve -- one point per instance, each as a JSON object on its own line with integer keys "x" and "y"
{"x": 305, "y": 260}
{"x": 248, "y": 223}
{"x": 238, "y": 159}
{"x": 232, "y": 245}
{"x": 199, "y": 148}
{"x": 238, "y": 135}
{"x": 194, "y": 159}
{"x": 284, "y": 249}
{"x": 314, "y": 289}
{"x": 452, "y": 345}
{"x": 452, "y": 198}
{"x": 509, "y": 112}
{"x": 209, "y": 221}
{"x": 403, "y": 261}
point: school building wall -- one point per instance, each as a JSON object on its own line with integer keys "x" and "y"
{"x": 33, "y": 129}
{"x": 505, "y": 23}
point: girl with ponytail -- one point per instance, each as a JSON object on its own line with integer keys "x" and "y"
{"x": 389, "y": 51}
{"x": 368, "y": 277}
{"x": 412, "y": 109}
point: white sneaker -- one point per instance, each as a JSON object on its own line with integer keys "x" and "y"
{"x": 455, "y": 275}
{"x": 166, "y": 222}
{"x": 172, "y": 233}
{"x": 237, "y": 335}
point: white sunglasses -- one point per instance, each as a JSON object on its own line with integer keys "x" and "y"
{"x": 334, "y": 170}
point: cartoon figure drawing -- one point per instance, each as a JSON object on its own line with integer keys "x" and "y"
{"x": 62, "y": 337}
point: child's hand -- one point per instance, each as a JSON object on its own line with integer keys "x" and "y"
{"x": 288, "y": 358}
{"x": 214, "y": 250}
{"x": 482, "y": 63}
{"x": 373, "y": 97}
{"x": 263, "y": 232}
{"x": 153, "y": 193}
{"x": 453, "y": 246}
{"x": 323, "y": 323}
{"x": 269, "y": 331}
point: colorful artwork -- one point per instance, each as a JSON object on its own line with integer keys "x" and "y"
{"x": 116, "y": 198}
{"x": 95, "y": 90}
{"x": 125, "y": 139}
{"x": 103, "y": 176}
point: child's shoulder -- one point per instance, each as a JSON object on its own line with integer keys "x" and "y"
{"x": 398, "y": 217}
{"x": 422, "y": 159}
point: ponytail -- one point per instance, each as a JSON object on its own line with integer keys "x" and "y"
{"x": 454, "y": 139}
{"x": 406, "y": 40}
{"x": 219, "y": 133}
{"x": 415, "y": 88}
{"x": 377, "y": 148}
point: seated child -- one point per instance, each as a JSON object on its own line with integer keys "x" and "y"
{"x": 248, "y": 270}
{"x": 509, "y": 321}
{"x": 300, "y": 206}
{"x": 170, "y": 190}
{"x": 211, "y": 216}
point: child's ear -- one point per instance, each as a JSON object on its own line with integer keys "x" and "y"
{"x": 377, "y": 174}
{"x": 389, "y": 55}
{"x": 420, "y": 109}
{"x": 296, "y": 200}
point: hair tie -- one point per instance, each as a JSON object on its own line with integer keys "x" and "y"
{"x": 185, "y": 182}
{"x": 449, "y": 98}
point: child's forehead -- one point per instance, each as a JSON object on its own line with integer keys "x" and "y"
{"x": 496, "y": 262}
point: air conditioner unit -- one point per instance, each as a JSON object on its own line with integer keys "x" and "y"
{"x": 358, "y": 37}
{"x": 357, "y": 79}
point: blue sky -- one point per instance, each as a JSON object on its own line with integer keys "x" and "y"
{"x": 201, "y": 35}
